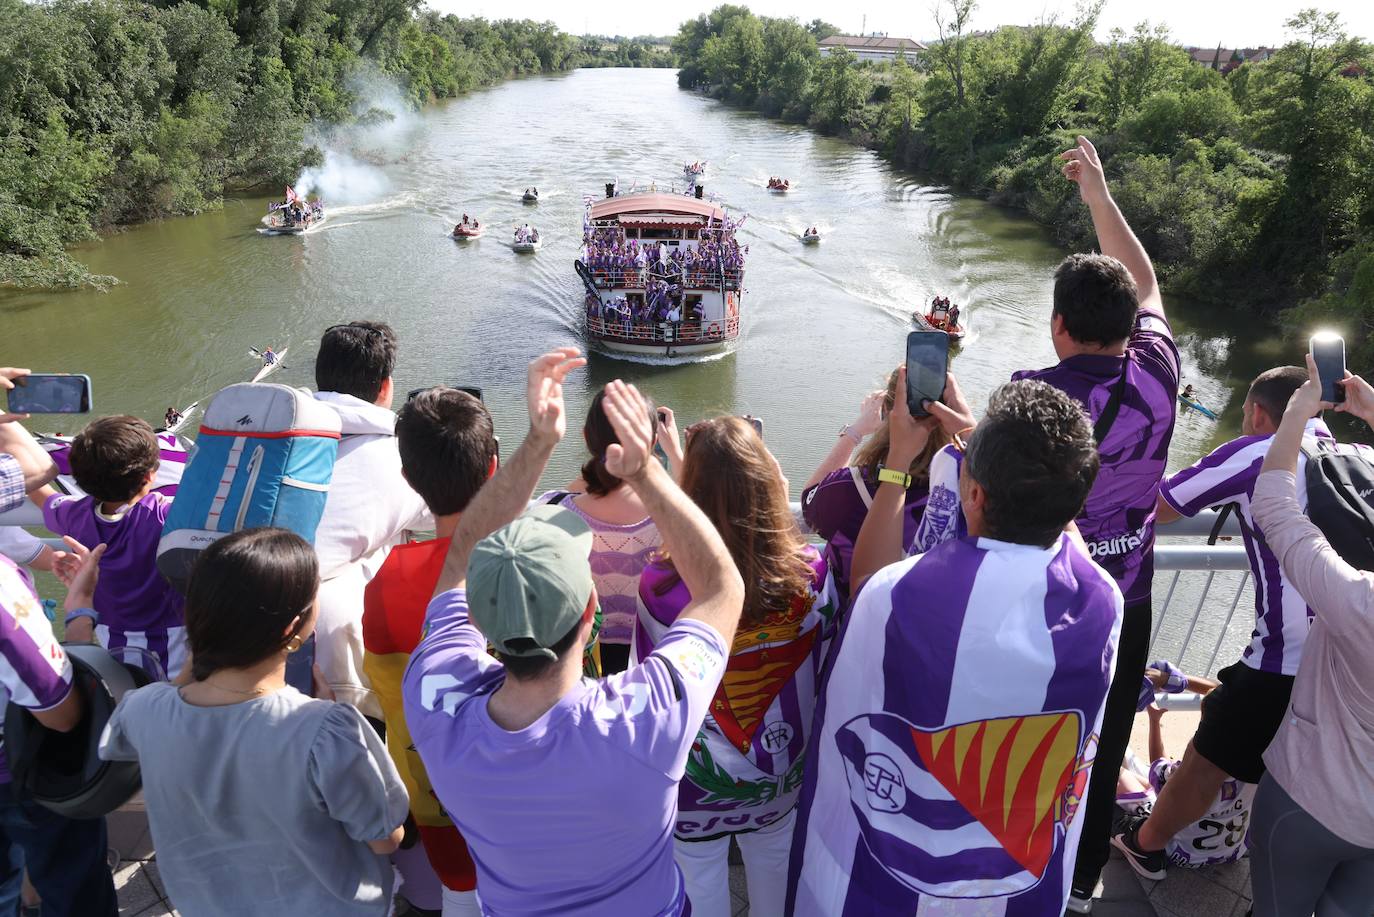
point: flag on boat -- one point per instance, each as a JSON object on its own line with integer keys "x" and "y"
{"x": 955, "y": 733}
{"x": 291, "y": 196}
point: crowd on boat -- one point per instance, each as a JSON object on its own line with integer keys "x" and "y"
{"x": 610, "y": 256}
{"x": 295, "y": 210}
{"x": 778, "y": 184}
{"x": 574, "y": 702}
{"x": 943, "y": 314}
{"x": 526, "y": 235}
{"x": 467, "y": 226}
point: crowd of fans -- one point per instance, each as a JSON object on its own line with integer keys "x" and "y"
{"x": 614, "y": 259}
{"x": 575, "y": 706}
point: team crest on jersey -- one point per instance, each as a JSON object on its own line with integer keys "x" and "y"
{"x": 920, "y": 796}
{"x": 748, "y": 689}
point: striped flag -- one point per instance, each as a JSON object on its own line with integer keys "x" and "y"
{"x": 955, "y": 733}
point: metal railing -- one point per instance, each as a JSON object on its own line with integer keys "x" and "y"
{"x": 703, "y": 332}
{"x": 691, "y": 279}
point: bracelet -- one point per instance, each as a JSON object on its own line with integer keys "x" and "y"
{"x": 847, "y": 430}
{"x": 893, "y": 476}
{"x": 75, "y": 613}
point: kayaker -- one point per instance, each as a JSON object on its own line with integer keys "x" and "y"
{"x": 172, "y": 417}
{"x": 268, "y": 357}
{"x": 1187, "y": 391}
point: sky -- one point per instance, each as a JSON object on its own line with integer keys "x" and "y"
{"x": 1243, "y": 23}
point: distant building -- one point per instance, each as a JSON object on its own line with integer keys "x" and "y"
{"x": 1224, "y": 60}
{"x": 875, "y": 47}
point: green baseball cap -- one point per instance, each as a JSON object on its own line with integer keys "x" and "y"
{"x": 531, "y": 579}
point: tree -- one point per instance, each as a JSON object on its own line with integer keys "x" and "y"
{"x": 951, "y": 21}
{"x": 839, "y": 91}
{"x": 1137, "y": 68}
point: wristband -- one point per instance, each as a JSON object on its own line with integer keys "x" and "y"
{"x": 848, "y": 431}
{"x": 75, "y": 613}
{"x": 893, "y": 476}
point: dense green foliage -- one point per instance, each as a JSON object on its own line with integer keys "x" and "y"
{"x": 115, "y": 111}
{"x": 641, "y": 51}
{"x": 1254, "y": 188}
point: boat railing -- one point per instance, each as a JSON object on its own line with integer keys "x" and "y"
{"x": 637, "y": 278}
{"x": 693, "y": 332}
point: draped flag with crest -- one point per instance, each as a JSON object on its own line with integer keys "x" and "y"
{"x": 955, "y": 733}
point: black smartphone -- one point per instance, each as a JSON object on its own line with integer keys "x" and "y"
{"x": 755, "y": 422}
{"x": 1328, "y": 352}
{"x": 51, "y": 393}
{"x": 927, "y": 363}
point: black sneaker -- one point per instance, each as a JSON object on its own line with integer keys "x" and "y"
{"x": 1148, "y": 864}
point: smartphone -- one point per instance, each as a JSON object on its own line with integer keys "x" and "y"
{"x": 51, "y": 393}
{"x": 755, "y": 422}
{"x": 1328, "y": 352}
{"x": 927, "y": 363}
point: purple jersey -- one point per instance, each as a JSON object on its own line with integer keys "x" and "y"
{"x": 943, "y": 519}
{"x": 34, "y": 671}
{"x": 745, "y": 768}
{"x": 529, "y": 802}
{"x": 835, "y": 509}
{"x": 1118, "y": 521}
{"x": 1227, "y": 475}
{"x": 1220, "y": 836}
{"x": 955, "y": 734}
{"x": 138, "y": 608}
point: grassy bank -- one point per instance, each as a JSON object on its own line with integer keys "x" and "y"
{"x": 1252, "y": 189}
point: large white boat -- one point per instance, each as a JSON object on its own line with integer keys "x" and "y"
{"x": 663, "y": 274}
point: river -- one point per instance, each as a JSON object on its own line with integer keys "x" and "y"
{"x": 823, "y": 324}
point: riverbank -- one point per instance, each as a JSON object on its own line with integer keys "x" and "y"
{"x": 1249, "y": 189}
{"x": 132, "y": 111}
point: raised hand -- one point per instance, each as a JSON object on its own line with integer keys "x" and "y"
{"x": 667, "y": 436}
{"x": 870, "y": 417}
{"x": 8, "y": 373}
{"x": 1083, "y": 167}
{"x": 544, "y": 392}
{"x": 81, "y": 588}
{"x": 907, "y": 435}
{"x": 1359, "y": 398}
{"x": 953, "y": 414}
{"x": 628, "y": 413}
{"x": 1307, "y": 400}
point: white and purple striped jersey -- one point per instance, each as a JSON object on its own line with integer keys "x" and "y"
{"x": 1227, "y": 475}
{"x": 955, "y": 734}
{"x": 1220, "y": 836}
{"x": 34, "y": 670}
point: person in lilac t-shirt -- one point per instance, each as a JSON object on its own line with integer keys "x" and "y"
{"x": 64, "y": 858}
{"x": 518, "y": 745}
{"x": 115, "y": 461}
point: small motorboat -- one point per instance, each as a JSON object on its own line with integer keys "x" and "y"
{"x": 694, "y": 171}
{"x": 810, "y": 238}
{"x": 464, "y": 231}
{"x": 1197, "y": 406}
{"x": 527, "y": 241}
{"x": 940, "y": 323}
{"x": 530, "y": 197}
{"x": 779, "y": 185}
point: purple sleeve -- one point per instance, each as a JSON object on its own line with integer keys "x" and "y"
{"x": 33, "y": 667}
{"x": 834, "y": 505}
{"x": 1152, "y": 346}
{"x": 451, "y": 664}
{"x": 1226, "y": 473}
{"x": 943, "y": 519}
{"x": 57, "y": 514}
{"x": 656, "y": 709}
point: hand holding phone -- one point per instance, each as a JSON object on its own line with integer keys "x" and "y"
{"x": 927, "y": 363}
{"x": 1328, "y": 353}
{"x": 50, "y": 393}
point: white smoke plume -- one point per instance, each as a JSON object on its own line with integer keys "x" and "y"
{"x": 353, "y": 153}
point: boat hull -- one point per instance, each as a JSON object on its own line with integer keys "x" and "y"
{"x": 526, "y": 248}
{"x": 810, "y": 240}
{"x": 280, "y": 228}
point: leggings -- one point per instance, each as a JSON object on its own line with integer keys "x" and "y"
{"x": 1298, "y": 867}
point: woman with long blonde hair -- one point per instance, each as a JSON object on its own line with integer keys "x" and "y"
{"x": 836, "y": 498}
{"x": 743, "y": 774}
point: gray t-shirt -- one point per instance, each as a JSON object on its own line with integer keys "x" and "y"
{"x": 262, "y": 807}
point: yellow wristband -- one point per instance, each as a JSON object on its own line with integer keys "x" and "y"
{"x": 893, "y": 476}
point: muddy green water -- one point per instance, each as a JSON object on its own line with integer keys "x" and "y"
{"x": 823, "y": 324}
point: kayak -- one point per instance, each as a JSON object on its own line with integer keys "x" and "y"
{"x": 186, "y": 413}
{"x": 1201, "y": 409}
{"x": 267, "y": 370}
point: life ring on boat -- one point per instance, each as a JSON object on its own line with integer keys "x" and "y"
{"x": 714, "y": 329}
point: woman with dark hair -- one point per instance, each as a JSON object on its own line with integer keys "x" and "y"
{"x": 261, "y": 800}
{"x": 625, "y": 538}
{"x": 744, "y": 771}
{"x": 836, "y": 499}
